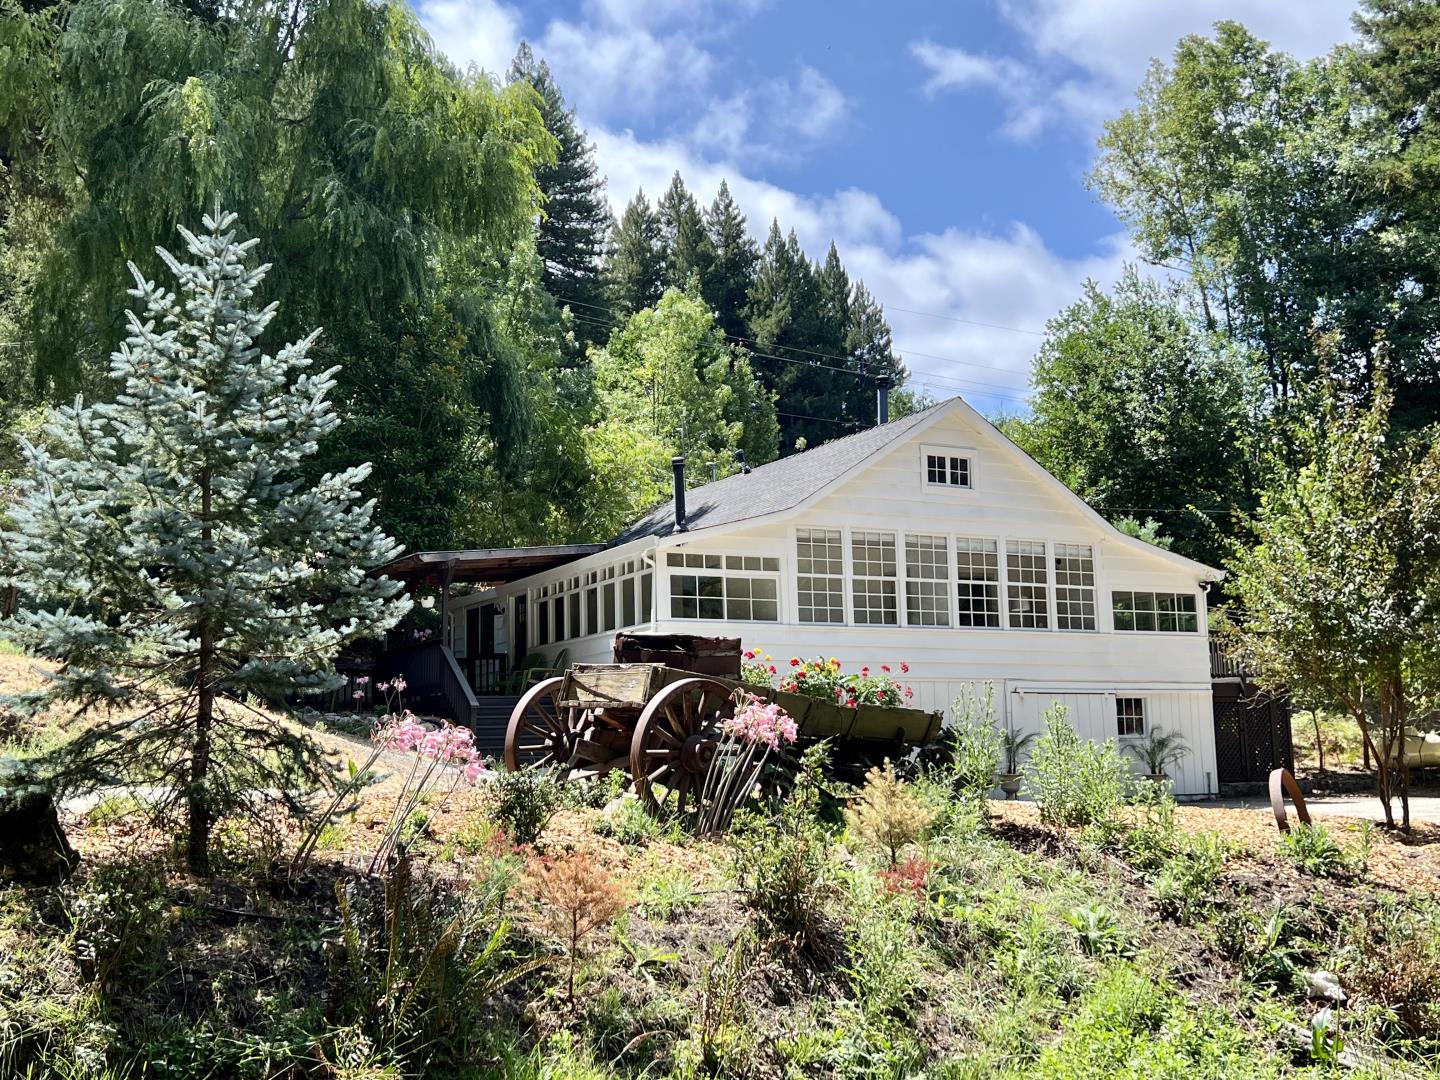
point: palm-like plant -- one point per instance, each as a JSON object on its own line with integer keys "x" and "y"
{"x": 1014, "y": 744}
{"x": 1159, "y": 750}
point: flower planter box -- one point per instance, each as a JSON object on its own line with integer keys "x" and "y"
{"x": 879, "y": 723}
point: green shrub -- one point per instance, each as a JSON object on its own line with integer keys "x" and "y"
{"x": 417, "y": 966}
{"x": 1097, "y": 931}
{"x": 974, "y": 742}
{"x": 1075, "y": 781}
{"x": 630, "y": 823}
{"x": 119, "y": 921}
{"x": 522, "y": 803}
{"x": 1185, "y": 887}
{"x": 1312, "y": 850}
{"x": 782, "y": 868}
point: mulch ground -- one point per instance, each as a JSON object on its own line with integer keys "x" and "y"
{"x": 1403, "y": 861}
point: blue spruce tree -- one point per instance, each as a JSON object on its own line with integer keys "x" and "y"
{"x": 172, "y": 560}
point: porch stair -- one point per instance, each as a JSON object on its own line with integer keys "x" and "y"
{"x": 492, "y": 716}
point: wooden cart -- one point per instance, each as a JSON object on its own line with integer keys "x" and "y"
{"x": 662, "y": 725}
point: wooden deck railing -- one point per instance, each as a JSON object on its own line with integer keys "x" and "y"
{"x": 433, "y": 679}
{"x": 1223, "y": 666}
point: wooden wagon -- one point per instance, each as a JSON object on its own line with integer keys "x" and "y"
{"x": 662, "y": 725}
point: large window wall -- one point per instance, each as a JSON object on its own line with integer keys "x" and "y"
{"x": 597, "y": 601}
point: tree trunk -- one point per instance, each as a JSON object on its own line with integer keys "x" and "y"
{"x": 1402, "y": 718}
{"x": 1319, "y": 740}
{"x": 198, "y": 808}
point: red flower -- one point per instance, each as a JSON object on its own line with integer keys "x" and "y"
{"x": 800, "y": 674}
{"x": 909, "y": 693}
{"x": 794, "y": 661}
{"x": 772, "y": 669}
{"x": 904, "y": 667}
{"x": 865, "y": 671}
{"x": 749, "y": 654}
{"x": 884, "y": 667}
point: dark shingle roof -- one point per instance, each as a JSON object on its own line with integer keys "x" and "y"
{"x": 776, "y": 486}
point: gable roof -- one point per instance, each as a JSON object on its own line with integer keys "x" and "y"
{"x": 778, "y": 485}
{"x": 783, "y": 485}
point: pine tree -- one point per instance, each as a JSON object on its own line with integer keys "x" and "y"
{"x": 682, "y": 229}
{"x": 575, "y": 227}
{"x": 726, "y": 287}
{"x": 834, "y": 285}
{"x": 170, "y": 554}
{"x": 785, "y": 320}
{"x": 637, "y": 259}
{"x": 871, "y": 352}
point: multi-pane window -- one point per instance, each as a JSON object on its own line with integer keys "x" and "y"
{"x": 592, "y": 611}
{"x": 819, "y": 576}
{"x": 627, "y": 602}
{"x": 557, "y": 617}
{"x": 947, "y": 470}
{"x": 647, "y": 595}
{"x": 977, "y": 571}
{"x": 607, "y": 595}
{"x": 872, "y": 567}
{"x": 542, "y": 622}
{"x": 927, "y": 580}
{"x": 1130, "y": 717}
{"x": 1161, "y": 612}
{"x": 726, "y": 595}
{"x": 1074, "y": 587}
{"x": 1026, "y": 585}
{"x": 575, "y": 612}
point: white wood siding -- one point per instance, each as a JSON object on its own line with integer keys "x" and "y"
{"x": 1007, "y": 501}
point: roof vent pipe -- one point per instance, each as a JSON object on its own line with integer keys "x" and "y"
{"x": 678, "y": 464}
{"x": 882, "y": 399}
{"x": 740, "y": 457}
{"x": 714, "y": 471}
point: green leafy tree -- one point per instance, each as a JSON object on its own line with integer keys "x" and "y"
{"x": 669, "y": 375}
{"x": 637, "y": 258}
{"x": 172, "y": 556}
{"x": 1253, "y": 173}
{"x": 1139, "y": 411}
{"x": 1337, "y": 585}
{"x": 575, "y": 227}
{"x": 374, "y": 172}
{"x": 726, "y": 285}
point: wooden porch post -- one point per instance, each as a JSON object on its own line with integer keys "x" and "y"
{"x": 446, "y": 576}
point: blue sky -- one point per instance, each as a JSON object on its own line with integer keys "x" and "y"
{"x": 943, "y": 146}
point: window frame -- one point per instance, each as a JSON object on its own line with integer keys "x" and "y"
{"x": 1155, "y": 612}
{"x": 1121, "y": 718}
{"x": 966, "y": 453}
{"x": 725, "y": 573}
{"x": 896, "y": 580}
{"x": 948, "y": 601}
{"x": 1055, "y": 586}
{"x": 997, "y": 551}
{"x": 1048, "y": 595}
{"x": 844, "y": 576}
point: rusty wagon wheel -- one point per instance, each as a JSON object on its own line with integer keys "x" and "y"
{"x": 578, "y": 743}
{"x": 675, "y": 740}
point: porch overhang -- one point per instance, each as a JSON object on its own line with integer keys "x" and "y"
{"x": 481, "y": 566}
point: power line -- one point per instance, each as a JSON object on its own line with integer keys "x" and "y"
{"x": 967, "y": 322}
{"x": 1008, "y": 391}
{"x": 611, "y": 313}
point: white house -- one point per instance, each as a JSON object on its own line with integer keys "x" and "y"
{"x": 932, "y": 540}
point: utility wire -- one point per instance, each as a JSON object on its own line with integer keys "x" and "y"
{"x": 611, "y": 314}
{"x": 1009, "y": 392}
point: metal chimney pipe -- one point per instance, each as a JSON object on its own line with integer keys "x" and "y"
{"x": 882, "y": 399}
{"x": 740, "y": 457}
{"x": 714, "y": 471}
{"x": 678, "y": 464}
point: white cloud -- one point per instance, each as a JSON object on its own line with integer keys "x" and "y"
{"x": 1008, "y": 279}
{"x": 479, "y": 32}
{"x": 1084, "y": 58}
{"x": 776, "y": 120}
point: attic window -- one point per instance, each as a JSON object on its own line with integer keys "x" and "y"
{"x": 945, "y": 469}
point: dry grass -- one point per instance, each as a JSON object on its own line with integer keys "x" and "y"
{"x": 1399, "y": 861}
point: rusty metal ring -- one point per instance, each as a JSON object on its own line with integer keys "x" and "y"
{"x": 1282, "y": 784}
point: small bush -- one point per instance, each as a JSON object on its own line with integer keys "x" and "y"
{"x": 1312, "y": 850}
{"x": 577, "y": 897}
{"x": 975, "y": 742}
{"x": 630, "y": 823}
{"x": 119, "y": 918}
{"x": 1393, "y": 961}
{"x": 1075, "y": 781}
{"x": 522, "y": 803}
{"x": 1185, "y": 886}
{"x": 888, "y": 813}
{"x": 1098, "y": 932}
{"x": 417, "y": 966}
{"x": 782, "y": 868}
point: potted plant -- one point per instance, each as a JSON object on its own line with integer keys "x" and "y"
{"x": 1013, "y": 744}
{"x": 1159, "y": 749}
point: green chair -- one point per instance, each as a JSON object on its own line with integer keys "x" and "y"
{"x": 539, "y": 674}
